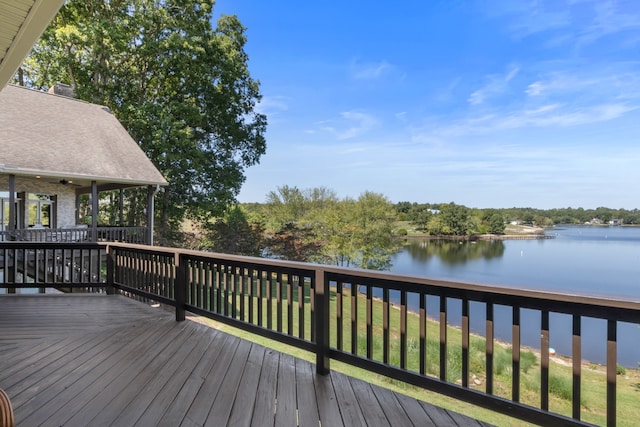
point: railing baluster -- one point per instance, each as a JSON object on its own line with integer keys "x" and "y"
{"x": 301, "y": 316}
{"x": 465, "y": 342}
{"x": 515, "y": 354}
{"x": 612, "y": 361}
{"x": 208, "y": 284}
{"x": 289, "y": 305}
{"x": 269, "y": 292}
{"x": 443, "y": 338}
{"x": 423, "y": 333}
{"x": 259, "y": 297}
{"x": 321, "y": 295}
{"x": 403, "y": 329}
{"x": 369, "y": 315}
{"x": 251, "y": 279}
{"x": 279, "y": 301}
{"x": 489, "y": 344}
{"x": 199, "y": 278}
{"x": 544, "y": 361}
{"x": 219, "y": 285}
{"x": 339, "y": 321}
{"x": 576, "y": 365}
{"x": 385, "y": 325}
{"x": 354, "y": 318}
{"x": 234, "y": 291}
{"x": 242, "y": 278}
{"x": 312, "y": 300}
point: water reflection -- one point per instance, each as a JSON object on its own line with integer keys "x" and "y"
{"x": 454, "y": 252}
{"x": 599, "y": 261}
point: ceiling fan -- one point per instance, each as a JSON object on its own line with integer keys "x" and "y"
{"x": 69, "y": 182}
{"x": 65, "y": 182}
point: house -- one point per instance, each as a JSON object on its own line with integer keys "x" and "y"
{"x": 56, "y": 148}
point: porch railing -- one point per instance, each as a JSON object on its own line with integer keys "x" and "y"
{"x": 353, "y": 315}
{"x": 138, "y": 235}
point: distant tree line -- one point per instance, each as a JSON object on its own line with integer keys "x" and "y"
{"x": 419, "y": 213}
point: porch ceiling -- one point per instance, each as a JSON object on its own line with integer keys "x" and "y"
{"x": 21, "y": 24}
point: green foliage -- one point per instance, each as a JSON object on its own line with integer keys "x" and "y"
{"x": 495, "y": 224}
{"x": 453, "y": 220}
{"x": 621, "y": 370}
{"x": 180, "y": 87}
{"x": 314, "y": 225}
{"x": 561, "y": 386}
{"x": 234, "y": 234}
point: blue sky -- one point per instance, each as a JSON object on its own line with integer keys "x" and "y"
{"x": 482, "y": 103}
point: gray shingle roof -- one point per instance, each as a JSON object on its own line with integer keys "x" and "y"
{"x": 56, "y": 136}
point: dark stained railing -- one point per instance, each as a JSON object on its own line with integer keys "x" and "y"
{"x": 53, "y": 265}
{"x": 354, "y": 315}
{"x": 137, "y": 235}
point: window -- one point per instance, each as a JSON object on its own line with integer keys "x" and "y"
{"x": 39, "y": 210}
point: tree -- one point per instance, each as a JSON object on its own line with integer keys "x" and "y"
{"x": 495, "y": 223}
{"x": 420, "y": 216}
{"x": 180, "y": 87}
{"x": 361, "y": 234}
{"x": 455, "y": 219}
{"x": 313, "y": 225}
{"x": 234, "y": 234}
{"x": 285, "y": 205}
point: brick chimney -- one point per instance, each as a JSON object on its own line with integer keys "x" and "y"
{"x": 63, "y": 90}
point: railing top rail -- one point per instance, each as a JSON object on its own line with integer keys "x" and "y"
{"x": 24, "y": 244}
{"x": 267, "y": 262}
{"x": 478, "y": 292}
{"x": 475, "y": 291}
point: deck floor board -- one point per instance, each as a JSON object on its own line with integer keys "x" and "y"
{"x": 109, "y": 360}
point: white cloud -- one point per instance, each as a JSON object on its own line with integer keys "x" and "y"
{"x": 272, "y": 104}
{"x": 350, "y": 125}
{"x": 577, "y": 23}
{"x": 370, "y": 71}
{"x": 496, "y": 85}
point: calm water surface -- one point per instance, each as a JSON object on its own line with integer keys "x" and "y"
{"x": 587, "y": 259}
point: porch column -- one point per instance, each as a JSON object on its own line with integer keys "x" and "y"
{"x": 12, "y": 227}
{"x": 94, "y": 210}
{"x": 77, "y": 219}
{"x": 150, "y": 214}
{"x": 121, "y": 208}
{"x": 12, "y": 203}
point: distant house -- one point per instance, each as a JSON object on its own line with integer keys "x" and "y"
{"x": 54, "y": 149}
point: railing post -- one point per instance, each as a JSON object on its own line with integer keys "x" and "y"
{"x": 180, "y": 289}
{"x": 322, "y": 322}
{"x": 111, "y": 265}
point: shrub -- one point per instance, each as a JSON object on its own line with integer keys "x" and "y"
{"x": 561, "y": 387}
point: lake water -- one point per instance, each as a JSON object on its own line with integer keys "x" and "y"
{"x": 588, "y": 259}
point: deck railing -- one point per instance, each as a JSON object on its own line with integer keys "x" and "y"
{"x": 138, "y": 235}
{"x": 353, "y": 315}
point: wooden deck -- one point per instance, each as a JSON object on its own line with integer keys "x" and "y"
{"x": 108, "y": 360}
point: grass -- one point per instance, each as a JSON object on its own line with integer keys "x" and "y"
{"x": 593, "y": 386}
